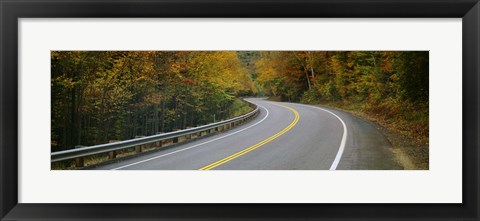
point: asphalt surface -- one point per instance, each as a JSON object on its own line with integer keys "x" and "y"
{"x": 284, "y": 136}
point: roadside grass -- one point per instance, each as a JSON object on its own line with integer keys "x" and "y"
{"x": 239, "y": 108}
{"x": 404, "y": 126}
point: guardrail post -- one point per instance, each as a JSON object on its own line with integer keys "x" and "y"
{"x": 139, "y": 148}
{"x": 159, "y": 143}
{"x": 112, "y": 154}
{"x": 175, "y": 139}
{"x": 79, "y": 162}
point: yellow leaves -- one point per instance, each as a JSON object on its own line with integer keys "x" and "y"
{"x": 54, "y": 54}
{"x": 176, "y": 67}
{"x": 64, "y": 81}
{"x": 265, "y": 69}
{"x": 153, "y": 98}
{"x": 388, "y": 61}
{"x": 222, "y": 69}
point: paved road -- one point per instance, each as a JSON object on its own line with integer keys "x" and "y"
{"x": 285, "y": 136}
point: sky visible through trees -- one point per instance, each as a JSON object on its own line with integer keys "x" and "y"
{"x": 100, "y": 96}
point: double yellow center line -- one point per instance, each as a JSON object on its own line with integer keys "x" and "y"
{"x": 233, "y": 156}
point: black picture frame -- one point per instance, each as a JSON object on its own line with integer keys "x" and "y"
{"x": 11, "y": 11}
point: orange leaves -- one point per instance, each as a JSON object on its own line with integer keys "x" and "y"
{"x": 188, "y": 81}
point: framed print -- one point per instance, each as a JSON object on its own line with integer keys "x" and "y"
{"x": 239, "y": 110}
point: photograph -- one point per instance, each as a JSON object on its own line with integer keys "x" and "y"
{"x": 240, "y": 110}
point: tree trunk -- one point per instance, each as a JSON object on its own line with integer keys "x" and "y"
{"x": 162, "y": 118}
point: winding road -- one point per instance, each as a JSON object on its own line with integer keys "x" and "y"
{"x": 284, "y": 136}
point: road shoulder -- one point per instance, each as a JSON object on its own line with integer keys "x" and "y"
{"x": 407, "y": 152}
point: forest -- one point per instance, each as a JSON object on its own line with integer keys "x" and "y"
{"x": 100, "y": 96}
{"x": 388, "y": 87}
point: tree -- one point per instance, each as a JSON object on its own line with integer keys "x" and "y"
{"x": 98, "y": 96}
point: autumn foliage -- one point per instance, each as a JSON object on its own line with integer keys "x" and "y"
{"x": 391, "y": 87}
{"x": 99, "y": 96}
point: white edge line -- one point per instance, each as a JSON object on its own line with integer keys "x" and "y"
{"x": 196, "y": 145}
{"x": 344, "y": 137}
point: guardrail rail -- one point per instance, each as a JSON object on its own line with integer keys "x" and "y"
{"x": 143, "y": 144}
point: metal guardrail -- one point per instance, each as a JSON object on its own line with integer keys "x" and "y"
{"x": 157, "y": 140}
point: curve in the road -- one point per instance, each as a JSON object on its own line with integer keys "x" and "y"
{"x": 318, "y": 141}
{"x": 344, "y": 137}
{"x": 200, "y": 144}
{"x": 257, "y": 145}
